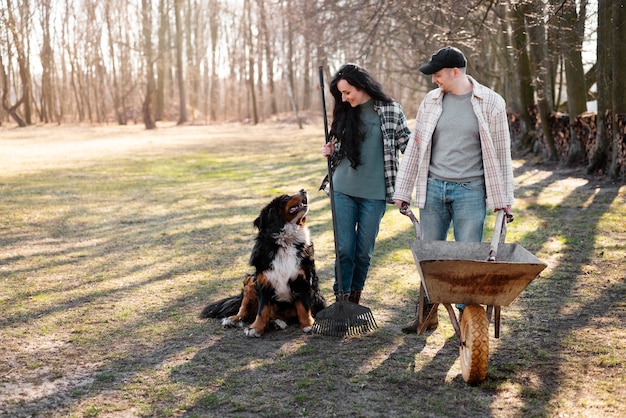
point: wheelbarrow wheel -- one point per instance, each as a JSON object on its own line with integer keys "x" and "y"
{"x": 474, "y": 348}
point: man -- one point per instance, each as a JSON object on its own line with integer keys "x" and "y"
{"x": 458, "y": 157}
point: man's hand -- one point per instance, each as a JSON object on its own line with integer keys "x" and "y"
{"x": 400, "y": 203}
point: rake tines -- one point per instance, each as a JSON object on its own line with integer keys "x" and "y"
{"x": 344, "y": 318}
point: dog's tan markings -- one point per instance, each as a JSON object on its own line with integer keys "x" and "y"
{"x": 291, "y": 212}
{"x": 249, "y": 305}
{"x": 263, "y": 280}
{"x": 260, "y": 323}
{"x": 304, "y": 316}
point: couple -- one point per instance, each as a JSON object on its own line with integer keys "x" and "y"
{"x": 458, "y": 158}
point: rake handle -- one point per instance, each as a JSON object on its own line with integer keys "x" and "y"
{"x": 331, "y": 189}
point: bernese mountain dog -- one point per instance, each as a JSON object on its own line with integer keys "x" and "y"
{"x": 284, "y": 288}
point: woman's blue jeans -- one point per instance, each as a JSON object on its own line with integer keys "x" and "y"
{"x": 462, "y": 205}
{"x": 358, "y": 221}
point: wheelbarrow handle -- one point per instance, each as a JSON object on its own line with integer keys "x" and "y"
{"x": 499, "y": 233}
{"x": 406, "y": 210}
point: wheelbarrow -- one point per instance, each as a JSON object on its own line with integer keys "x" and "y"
{"x": 473, "y": 274}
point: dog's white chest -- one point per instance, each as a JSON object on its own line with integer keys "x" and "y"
{"x": 286, "y": 265}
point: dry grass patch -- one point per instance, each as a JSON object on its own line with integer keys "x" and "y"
{"x": 114, "y": 238}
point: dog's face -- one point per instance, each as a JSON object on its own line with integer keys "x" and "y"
{"x": 284, "y": 210}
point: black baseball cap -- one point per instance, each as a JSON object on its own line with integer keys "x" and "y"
{"x": 448, "y": 57}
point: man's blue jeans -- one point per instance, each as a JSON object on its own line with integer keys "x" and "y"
{"x": 462, "y": 205}
{"x": 358, "y": 221}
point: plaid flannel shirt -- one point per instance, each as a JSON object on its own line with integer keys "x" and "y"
{"x": 395, "y": 138}
{"x": 495, "y": 141}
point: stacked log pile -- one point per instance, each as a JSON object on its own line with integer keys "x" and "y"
{"x": 585, "y": 127}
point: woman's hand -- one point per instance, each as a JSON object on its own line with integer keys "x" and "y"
{"x": 328, "y": 149}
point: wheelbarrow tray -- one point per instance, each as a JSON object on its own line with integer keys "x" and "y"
{"x": 458, "y": 272}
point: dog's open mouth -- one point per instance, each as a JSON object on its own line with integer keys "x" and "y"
{"x": 298, "y": 208}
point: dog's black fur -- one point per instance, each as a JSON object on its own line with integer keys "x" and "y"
{"x": 285, "y": 287}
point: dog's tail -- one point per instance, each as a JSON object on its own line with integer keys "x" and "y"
{"x": 223, "y": 308}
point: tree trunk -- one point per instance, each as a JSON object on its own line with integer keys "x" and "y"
{"x": 10, "y": 109}
{"x": 120, "y": 115}
{"x": 542, "y": 68}
{"x": 524, "y": 73}
{"x": 20, "y": 34}
{"x": 599, "y": 157}
{"x": 289, "y": 69}
{"x": 213, "y": 82}
{"x": 572, "y": 32}
{"x": 159, "y": 105}
{"x": 269, "y": 57}
{"x": 182, "y": 117}
{"x": 146, "y": 109}
{"x": 618, "y": 89}
{"x": 47, "y": 59}
{"x": 249, "y": 50}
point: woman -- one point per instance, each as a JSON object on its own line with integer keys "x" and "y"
{"x": 367, "y": 131}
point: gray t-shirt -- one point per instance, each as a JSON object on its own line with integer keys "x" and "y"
{"x": 367, "y": 181}
{"x": 456, "y": 152}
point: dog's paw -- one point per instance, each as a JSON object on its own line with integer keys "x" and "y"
{"x": 307, "y": 330}
{"x": 250, "y": 332}
{"x": 230, "y": 323}
{"x": 280, "y": 324}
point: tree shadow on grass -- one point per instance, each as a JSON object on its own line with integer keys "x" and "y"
{"x": 535, "y": 348}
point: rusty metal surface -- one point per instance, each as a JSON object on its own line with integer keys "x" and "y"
{"x": 457, "y": 272}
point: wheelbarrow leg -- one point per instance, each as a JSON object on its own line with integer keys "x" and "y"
{"x": 422, "y": 323}
{"x": 496, "y": 321}
{"x": 453, "y": 320}
{"x": 495, "y": 312}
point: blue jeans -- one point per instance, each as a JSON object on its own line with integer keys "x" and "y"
{"x": 462, "y": 205}
{"x": 358, "y": 221}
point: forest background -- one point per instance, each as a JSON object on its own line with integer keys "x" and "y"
{"x": 212, "y": 61}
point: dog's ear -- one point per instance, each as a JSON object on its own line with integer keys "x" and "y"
{"x": 264, "y": 218}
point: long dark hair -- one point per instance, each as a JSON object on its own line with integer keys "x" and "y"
{"x": 346, "y": 126}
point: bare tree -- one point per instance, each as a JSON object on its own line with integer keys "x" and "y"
{"x": 163, "y": 49}
{"x": 525, "y": 94}
{"x": 618, "y": 98}
{"x": 180, "y": 78}
{"x": 47, "y": 65}
{"x": 213, "y": 60}
{"x": 268, "y": 55}
{"x": 600, "y": 156}
{"x": 11, "y": 109}
{"x": 146, "y": 13}
{"x": 248, "y": 50}
{"x": 289, "y": 64}
{"x": 572, "y": 29}
{"x": 19, "y": 31}
{"x": 538, "y": 46}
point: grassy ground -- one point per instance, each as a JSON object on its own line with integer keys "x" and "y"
{"x": 113, "y": 239}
